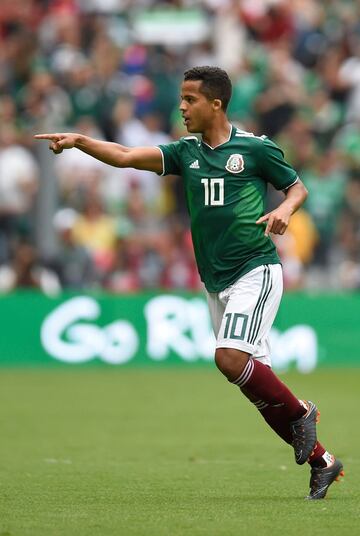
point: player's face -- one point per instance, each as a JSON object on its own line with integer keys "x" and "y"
{"x": 196, "y": 109}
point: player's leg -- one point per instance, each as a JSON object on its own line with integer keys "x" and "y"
{"x": 277, "y": 419}
{"x": 274, "y": 416}
{"x": 325, "y": 468}
{"x": 251, "y": 306}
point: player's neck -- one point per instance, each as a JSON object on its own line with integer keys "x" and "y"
{"x": 218, "y": 133}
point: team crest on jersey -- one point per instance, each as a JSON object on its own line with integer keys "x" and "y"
{"x": 235, "y": 164}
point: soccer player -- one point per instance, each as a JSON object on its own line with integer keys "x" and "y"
{"x": 225, "y": 176}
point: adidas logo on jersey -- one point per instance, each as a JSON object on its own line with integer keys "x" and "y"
{"x": 195, "y": 165}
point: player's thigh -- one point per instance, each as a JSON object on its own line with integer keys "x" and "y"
{"x": 253, "y": 302}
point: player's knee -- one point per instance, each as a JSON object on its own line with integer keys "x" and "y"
{"x": 231, "y": 362}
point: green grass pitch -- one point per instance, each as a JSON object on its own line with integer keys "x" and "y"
{"x": 166, "y": 452}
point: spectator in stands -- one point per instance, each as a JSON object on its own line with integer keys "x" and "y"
{"x": 18, "y": 185}
{"x": 74, "y": 263}
{"x": 349, "y": 237}
{"x": 180, "y": 270}
{"x": 75, "y": 64}
{"x": 25, "y": 270}
{"x": 95, "y": 231}
{"x": 326, "y": 183}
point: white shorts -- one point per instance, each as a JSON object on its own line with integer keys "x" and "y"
{"x": 242, "y": 314}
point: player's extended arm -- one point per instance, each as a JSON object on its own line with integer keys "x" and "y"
{"x": 148, "y": 158}
{"x": 278, "y": 219}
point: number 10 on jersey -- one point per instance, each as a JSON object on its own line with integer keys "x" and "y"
{"x": 214, "y": 191}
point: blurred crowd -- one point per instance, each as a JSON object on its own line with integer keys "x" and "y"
{"x": 111, "y": 69}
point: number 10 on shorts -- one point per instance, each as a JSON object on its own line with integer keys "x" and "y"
{"x": 214, "y": 191}
{"x": 235, "y": 326}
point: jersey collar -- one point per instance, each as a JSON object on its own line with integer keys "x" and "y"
{"x": 223, "y": 143}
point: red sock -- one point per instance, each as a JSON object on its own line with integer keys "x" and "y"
{"x": 262, "y": 384}
{"x": 316, "y": 459}
{"x": 277, "y": 419}
{"x": 278, "y": 422}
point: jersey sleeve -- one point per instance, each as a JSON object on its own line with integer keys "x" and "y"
{"x": 171, "y": 158}
{"x": 274, "y": 168}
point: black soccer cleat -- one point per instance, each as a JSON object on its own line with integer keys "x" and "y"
{"x": 322, "y": 477}
{"x": 304, "y": 433}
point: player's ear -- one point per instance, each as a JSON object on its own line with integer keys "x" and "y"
{"x": 217, "y": 104}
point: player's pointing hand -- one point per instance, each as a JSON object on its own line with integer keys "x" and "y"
{"x": 58, "y": 142}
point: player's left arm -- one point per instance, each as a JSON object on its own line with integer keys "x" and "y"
{"x": 278, "y": 219}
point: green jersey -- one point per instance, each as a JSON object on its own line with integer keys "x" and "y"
{"x": 226, "y": 193}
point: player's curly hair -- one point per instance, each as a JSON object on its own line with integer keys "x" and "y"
{"x": 216, "y": 83}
